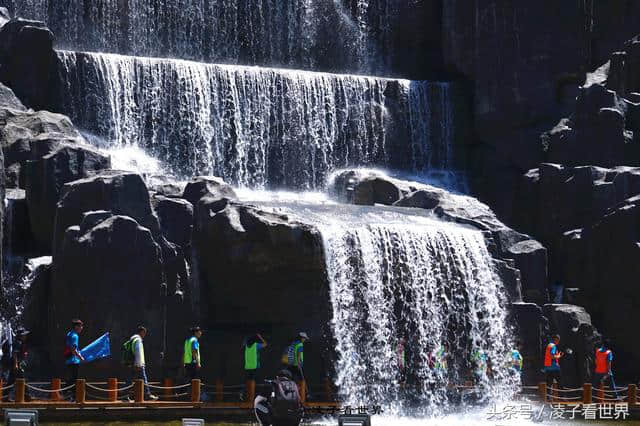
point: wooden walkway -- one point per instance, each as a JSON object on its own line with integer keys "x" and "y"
{"x": 111, "y": 407}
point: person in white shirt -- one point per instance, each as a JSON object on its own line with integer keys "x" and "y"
{"x": 139, "y": 371}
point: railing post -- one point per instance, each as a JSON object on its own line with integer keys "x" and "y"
{"x": 219, "y": 390}
{"x": 55, "y": 389}
{"x": 195, "y": 390}
{"x": 19, "y": 390}
{"x": 554, "y": 392}
{"x": 167, "y": 383}
{"x": 587, "y": 395}
{"x": 112, "y": 385}
{"x": 81, "y": 393}
{"x": 601, "y": 393}
{"x": 632, "y": 395}
{"x": 251, "y": 390}
{"x": 542, "y": 389}
{"x": 302, "y": 388}
{"x": 138, "y": 390}
{"x": 328, "y": 391}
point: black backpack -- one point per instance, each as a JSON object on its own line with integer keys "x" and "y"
{"x": 286, "y": 403}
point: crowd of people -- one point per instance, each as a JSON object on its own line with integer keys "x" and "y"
{"x": 15, "y": 355}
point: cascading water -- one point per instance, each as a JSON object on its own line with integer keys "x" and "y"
{"x": 399, "y": 273}
{"x": 298, "y": 34}
{"x": 254, "y": 126}
{"x": 431, "y": 284}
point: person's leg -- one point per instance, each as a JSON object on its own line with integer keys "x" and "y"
{"x": 143, "y": 376}
{"x": 11, "y": 380}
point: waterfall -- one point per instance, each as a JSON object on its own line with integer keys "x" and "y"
{"x": 297, "y": 34}
{"x": 429, "y": 283}
{"x": 258, "y": 127}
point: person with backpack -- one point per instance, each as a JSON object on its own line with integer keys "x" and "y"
{"x": 133, "y": 357}
{"x": 283, "y": 407}
{"x": 72, "y": 355}
{"x": 191, "y": 355}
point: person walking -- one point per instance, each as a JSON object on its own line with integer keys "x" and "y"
{"x": 18, "y": 365}
{"x": 191, "y": 356}
{"x": 516, "y": 360}
{"x": 604, "y": 361}
{"x": 293, "y": 356}
{"x": 252, "y": 347}
{"x": 72, "y": 354}
{"x": 552, "y": 357}
{"x": 136, "y": 346}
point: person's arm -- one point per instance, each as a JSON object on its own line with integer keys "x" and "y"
{"x": 137, "y": 353}
{"x": 609, "y": 362}
{"x": 15, "y": 360}
{"x": 264, "y": 342}
{"x": 194, "y": 353}
{"x": 74, "y": 348}
{"x": 299, "y": 356}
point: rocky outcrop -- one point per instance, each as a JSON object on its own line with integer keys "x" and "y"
{"x": 121, "y": 193}
{"x": 53, "y": 163}
{"x": 108, "y": 271}
{"x": 536, "y": 81}
{"x": 532, "y": 329}
{"x": 578, "y": 339}
{"x": 522, "y": 252}
{"x": 600, "y": 132}
{"x": 125, "y": 194}
{"x": 27, "y": 74}
{"x": 176, "y": 219}
{"x": 603, "y": 261}
{"x": 210, "y": 186}
{"x": 556, "y": 200}
{"x": 258, "y": 270}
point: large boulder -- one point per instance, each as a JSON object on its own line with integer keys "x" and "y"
{"x": 63, "y": 161}
{"x": 526, "y": 254}
{"x": 577, "y": 333}
{"x": 121, "y": 193}
{"x": 532, "y": 329}
{"x": 108, "y": 272}
{"x": 604, "y": 263}
{"x": 125, "y": 194}
{"x": 258, "y": 270}
{"x": 531, "y": 259}
{"x": 365, "y": 187}
{"x": 18, "y": 239}
{"x": 26, "y": 60}
{"x": 210, "y": 186}
{"x": 557, "y": 200}
{"x": 176, "y": 219}
{"x": 536, "y": 82}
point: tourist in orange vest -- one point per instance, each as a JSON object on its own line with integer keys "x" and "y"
{"x": 604, "y": 359}
{"x": 552, "y": 357}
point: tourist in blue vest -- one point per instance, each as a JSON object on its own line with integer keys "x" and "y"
{"x": 293, "y": 356}
{"x": 72, "y": 355}
{"x": 191, "y": 355}
{"x": 252, "y": 347}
